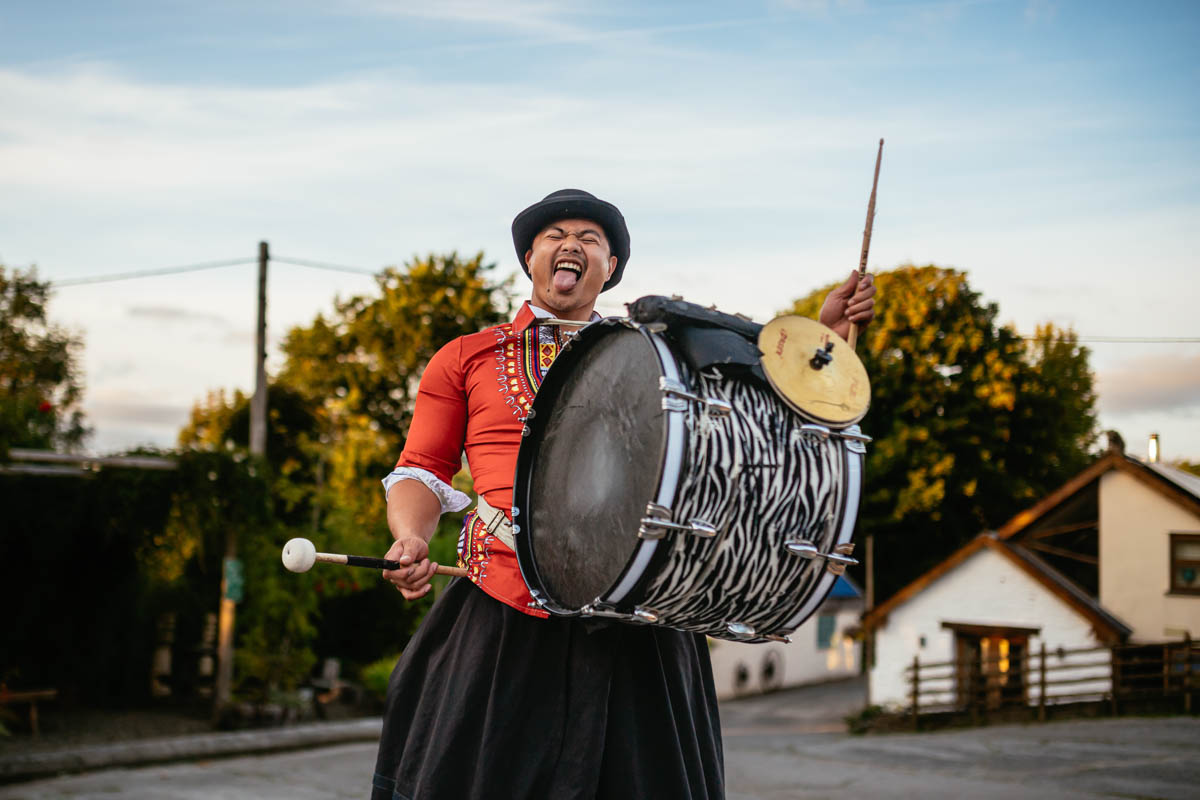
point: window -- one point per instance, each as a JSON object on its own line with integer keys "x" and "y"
{"x": 825, "y": 626}
{"x": 1185, "y": 563}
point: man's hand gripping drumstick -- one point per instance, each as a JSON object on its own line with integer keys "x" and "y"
{"x": 413, "y": 511}
{"x": 850, "y": 305}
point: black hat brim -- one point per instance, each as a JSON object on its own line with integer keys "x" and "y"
{"x": 573, "y": 204}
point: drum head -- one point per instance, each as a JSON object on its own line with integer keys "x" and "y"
{"x": 590, "y": 463}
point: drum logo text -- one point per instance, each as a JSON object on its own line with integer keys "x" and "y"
{"x": 782, "y": 339}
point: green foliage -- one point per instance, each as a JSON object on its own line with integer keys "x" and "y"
{"x": 109, "y": 554}
{"x": 361, "y": 367}
{"x": 376, "y": 675}
{"x": 116, "y": 551}
{"x": 39, "y": 362}
{"x": 862, "y": 721}
{"x": 227, "y": 491}
{"x": 970, "y": 422}
{"x": 222, "y": 424}
{"x": 275, "y": 622}
{"x": 1188, "y": 466}
{"x": 367, "y": 358}
{"x": 339, "y": 411}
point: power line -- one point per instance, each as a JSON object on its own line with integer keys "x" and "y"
{"x": 1143, "y": 339}
{"x": 146, "y": 273}
{"x": 304, "y": 262}
{"x": 331, "y": 267}
{"x": 1129, "y": 339}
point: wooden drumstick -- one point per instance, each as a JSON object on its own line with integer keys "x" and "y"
{"x": 866, "y": 247}
{"x": 299, "y": 555}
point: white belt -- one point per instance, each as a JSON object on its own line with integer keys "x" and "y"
{"x": 497, "y": 523}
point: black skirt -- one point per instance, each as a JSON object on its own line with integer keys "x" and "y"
{"x": 488, "y": 702}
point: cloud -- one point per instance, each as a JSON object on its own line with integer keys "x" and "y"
{"x": 105, "y": 412}
{"x": 1040, "y": 11}
{"x": 92, "y": 133}
{"x": 819, "y": 7}
{"x": 531, "y": 16}
{"x": 245, "y": 337}
{"x": 173, "y": 314}
{"x": 1154, "y": 383}
{"x": 111, "y": 370}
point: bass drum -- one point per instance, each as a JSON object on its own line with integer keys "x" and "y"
{"x": 654, "y": 490}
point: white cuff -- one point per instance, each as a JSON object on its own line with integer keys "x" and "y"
{"x": 451, "y": 498}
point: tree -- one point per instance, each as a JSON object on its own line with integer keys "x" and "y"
{"x": 338, "y": 413}
{"x": 361, "y": 368}
{"x": 40, "y": 390}
{"x": 368, "y": 358}
{"x": 222, "y": 424}
{"x": 970, "y": 422}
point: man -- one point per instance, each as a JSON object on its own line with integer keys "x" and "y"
{"x": 493, "y": 698}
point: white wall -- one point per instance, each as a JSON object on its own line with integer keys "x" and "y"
{"x": 800, "y": 659}
{"x": 986, "y": 589}
{"x": 1135, "y": 559}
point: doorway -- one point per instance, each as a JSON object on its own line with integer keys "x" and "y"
{"x": 991, "y": 664}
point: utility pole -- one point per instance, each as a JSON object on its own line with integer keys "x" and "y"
{"x": 258, "y": 406}
{"x": 231, "y": 579}
{"x": 870, "y": 570}
{"x": 868, "y": 651}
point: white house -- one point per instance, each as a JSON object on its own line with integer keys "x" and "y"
{"x": 821, "y": 649}
{"x": 1112, "y": 556}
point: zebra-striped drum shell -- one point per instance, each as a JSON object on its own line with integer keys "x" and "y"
{"x": 650, "y": 493}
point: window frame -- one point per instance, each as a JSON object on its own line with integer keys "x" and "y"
{"x": 832, "y": 630}
{"x": 1181, "y": 537}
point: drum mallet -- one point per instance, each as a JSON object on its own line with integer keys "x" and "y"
{"x": 299, "y": 555}
{"x": 866, "y": 245}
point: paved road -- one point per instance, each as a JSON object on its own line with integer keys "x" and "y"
{"x": 779, "y": 746}
{"x": 1127, "y": 758}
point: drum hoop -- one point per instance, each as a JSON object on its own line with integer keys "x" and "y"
{"x": 526, "y": 561}
{"x": 848, "y": 516}
{"x": 637, "y": 570}
{"x": 646, "y": 560}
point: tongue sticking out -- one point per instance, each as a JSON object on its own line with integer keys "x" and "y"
{"x": 565, "y": 280}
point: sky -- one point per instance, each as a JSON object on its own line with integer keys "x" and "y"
{"x": 1049, "y": 149}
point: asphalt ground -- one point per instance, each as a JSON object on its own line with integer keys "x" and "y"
{"x": 778, "y": 746}
{"x": 1110, "y": 758}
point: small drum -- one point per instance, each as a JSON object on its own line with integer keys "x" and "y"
{"x": 662, "y": 481}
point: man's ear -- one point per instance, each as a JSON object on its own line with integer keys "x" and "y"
{"x": 528, "y": 256}
{"x": 612, "y": 265}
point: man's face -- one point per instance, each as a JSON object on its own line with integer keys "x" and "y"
{"x": 569, "y": 263}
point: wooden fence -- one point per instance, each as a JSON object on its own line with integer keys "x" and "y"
{"x": 1119, "y": 676}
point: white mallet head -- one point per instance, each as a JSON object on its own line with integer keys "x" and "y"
{"x": 299, "y": 555}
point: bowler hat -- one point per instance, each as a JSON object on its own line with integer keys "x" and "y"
{"x": 573, "y": 204}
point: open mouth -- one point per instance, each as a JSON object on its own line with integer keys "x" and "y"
{"x": 567, "y": 274}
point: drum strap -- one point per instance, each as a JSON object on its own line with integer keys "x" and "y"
{"x": 497, "y": 524}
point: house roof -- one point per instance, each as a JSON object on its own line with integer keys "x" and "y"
{"x": 1184, "y": 480}
{"x": 844, "y": 588}
{"x": 1174, "y": 484}
{"x": 1108, "y": 628}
